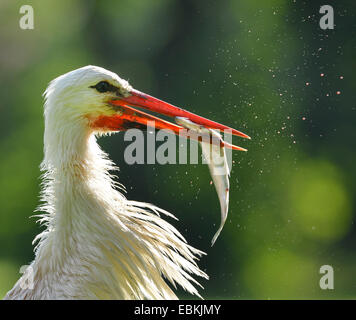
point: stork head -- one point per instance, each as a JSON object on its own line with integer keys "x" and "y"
{"x": 97, "y": 100}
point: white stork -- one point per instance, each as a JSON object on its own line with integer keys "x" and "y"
{"x": 97, "y": 244}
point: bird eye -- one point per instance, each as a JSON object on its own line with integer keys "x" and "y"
{"x": 102, "y": 86}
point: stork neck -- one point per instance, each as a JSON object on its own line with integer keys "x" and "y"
{"x": 66, "y": 148}
{"x": 78, "y": 186}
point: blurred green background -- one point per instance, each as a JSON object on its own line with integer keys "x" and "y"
{"x": 264, "y": 67}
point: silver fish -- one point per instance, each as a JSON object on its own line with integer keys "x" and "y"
{"x": 215, "y": 155}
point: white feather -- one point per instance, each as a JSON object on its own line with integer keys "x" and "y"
{"x": 97, "y": 244}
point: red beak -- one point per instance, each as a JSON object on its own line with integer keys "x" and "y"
{"x": 129, "y": 117}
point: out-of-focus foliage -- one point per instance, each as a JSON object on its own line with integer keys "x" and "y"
{"x": 264, "y": 67}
